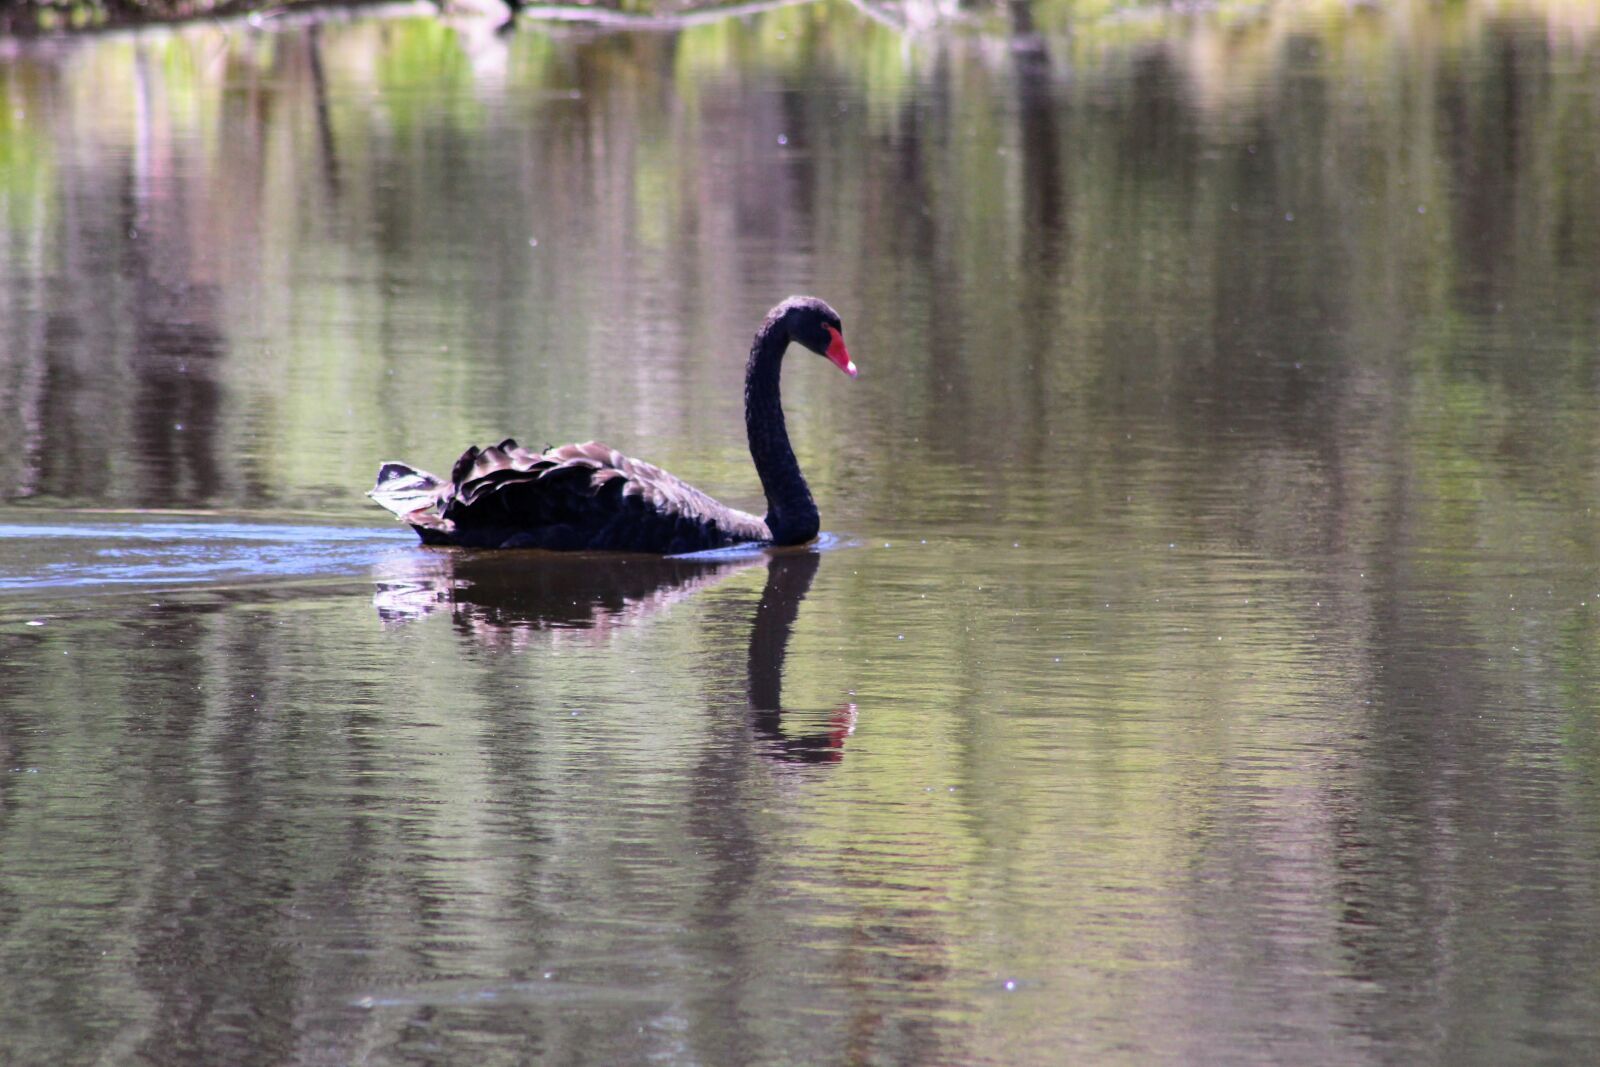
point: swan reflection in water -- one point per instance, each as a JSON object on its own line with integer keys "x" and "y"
{"x": 516, "y": 600}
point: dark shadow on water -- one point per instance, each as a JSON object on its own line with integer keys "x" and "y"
{"x": 789, "y": 579}
{"x": 513, "y": 600}
{"x": 506, "y": 599}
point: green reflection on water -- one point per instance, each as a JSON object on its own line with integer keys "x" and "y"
{"x": 1219, "y": 630}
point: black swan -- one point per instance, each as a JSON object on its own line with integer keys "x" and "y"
{"x": 592, "y": 497}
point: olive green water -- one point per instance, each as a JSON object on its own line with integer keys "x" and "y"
{"x": 1201, "y": 665}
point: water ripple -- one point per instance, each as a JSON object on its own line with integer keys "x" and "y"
{"x": 85, "y": 555}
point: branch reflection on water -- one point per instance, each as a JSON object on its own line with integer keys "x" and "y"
{"x": 518, "y": 600}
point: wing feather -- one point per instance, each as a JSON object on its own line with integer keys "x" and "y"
{"x": 585, "y": 495}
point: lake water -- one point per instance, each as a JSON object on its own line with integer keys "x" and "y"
{"x": 1202, "y": 663}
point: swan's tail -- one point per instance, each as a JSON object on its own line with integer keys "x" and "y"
{"x": 404, "y": 490}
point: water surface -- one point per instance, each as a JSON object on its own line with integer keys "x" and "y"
{"x": 1200, "y": 666}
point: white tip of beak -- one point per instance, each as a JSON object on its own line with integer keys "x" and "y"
{"x": 850, "y": 368}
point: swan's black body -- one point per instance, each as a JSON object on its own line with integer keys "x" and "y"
{"x": 592, "y": 497}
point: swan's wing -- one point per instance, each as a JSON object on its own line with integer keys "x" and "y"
{"x": 409, "y": 493}
{"x": 573, "y": 496}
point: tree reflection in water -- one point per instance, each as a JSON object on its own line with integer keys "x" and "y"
{"x": 518, "y": 600}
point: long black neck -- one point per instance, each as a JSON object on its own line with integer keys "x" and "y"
{"x": 791, "y": 513}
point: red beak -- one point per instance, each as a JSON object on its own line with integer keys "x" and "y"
{"x": 838, "y": 354}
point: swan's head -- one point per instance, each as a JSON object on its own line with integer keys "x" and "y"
{"x": 816, "y": 325}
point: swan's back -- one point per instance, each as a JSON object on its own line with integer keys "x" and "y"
{"x": 572, "y": 497}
